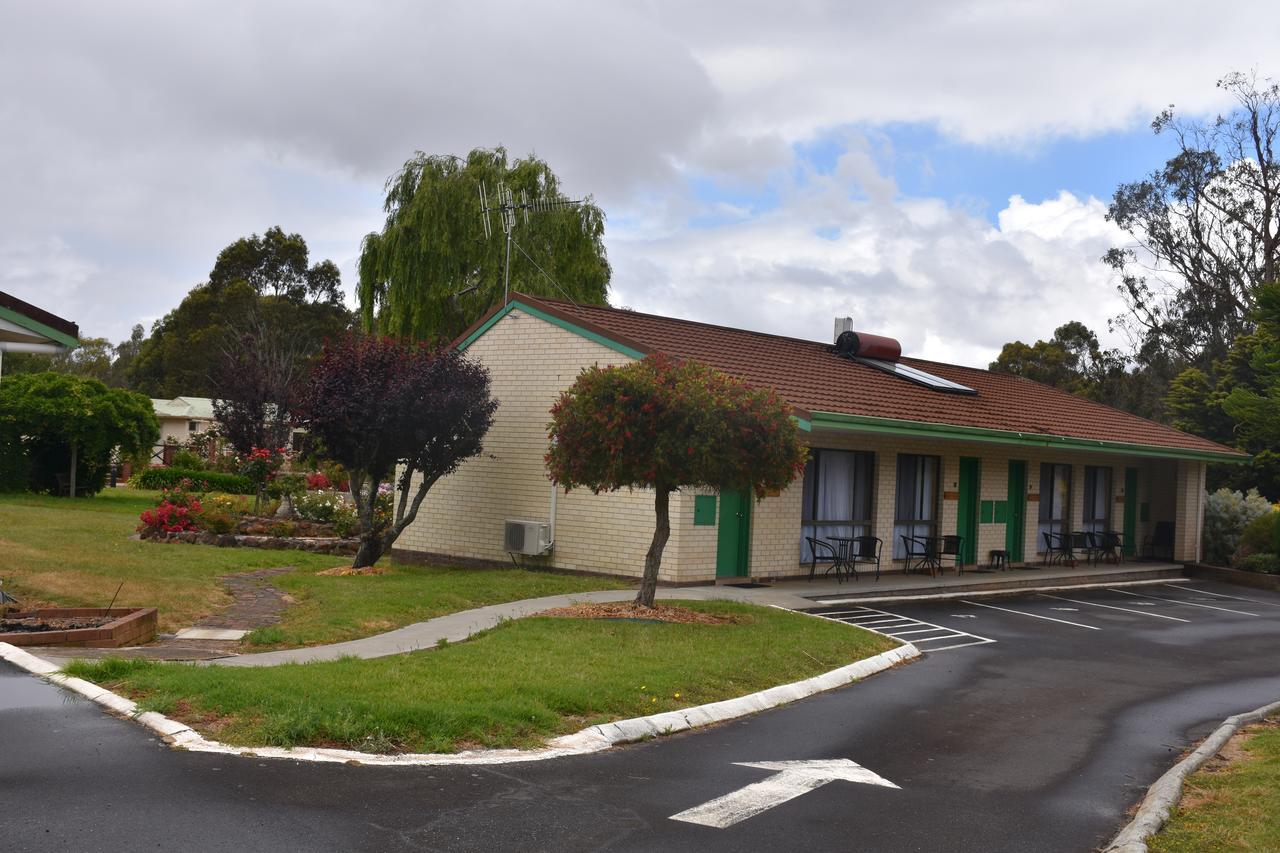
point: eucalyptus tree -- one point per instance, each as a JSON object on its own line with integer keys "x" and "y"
{"x": 432, "y": 270}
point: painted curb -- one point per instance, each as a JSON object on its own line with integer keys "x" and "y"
{"x": 1165, "y": 792}
{"x": 593, "y": 739}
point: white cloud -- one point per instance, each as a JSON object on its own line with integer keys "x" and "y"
{"x": 950, "y": 286}
{"x": 140, "y": 138}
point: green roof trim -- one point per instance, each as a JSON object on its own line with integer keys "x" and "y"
{"x": 553, "y": 320}
{"x": 39, "y": 328}
{"x": 924, "y": 429}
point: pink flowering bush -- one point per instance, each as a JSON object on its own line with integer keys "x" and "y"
{"x": 177, "y": 511}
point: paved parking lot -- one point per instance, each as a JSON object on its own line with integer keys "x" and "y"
{"x": 1037, "y": 739}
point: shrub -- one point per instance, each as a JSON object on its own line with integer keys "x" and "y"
{"x": 1260, "y": 536}
{"x": 187, "y": 461}
{"x": 329, "y": 508}
{"x": 161, "y": 478}
{"x": 1226, "y": 515}
{"x": 1267, "y": 564}
{"x": 214, "y": 519}
{"x": 318, "y": 481}
{"x": 177, "y": 511}
{"x": 287, "y": 484}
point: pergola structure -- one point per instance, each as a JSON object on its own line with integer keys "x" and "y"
{"x": 26, "y": 328}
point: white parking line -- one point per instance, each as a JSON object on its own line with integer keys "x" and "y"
{"x": 902, "y": 626}
{"x": 1032, "y": 615}
{"x": 1220, "y": 595}
{"x": 1113, "y": 607}
{"x": 1185, "y": 603}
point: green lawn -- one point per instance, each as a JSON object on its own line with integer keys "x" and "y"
{"x": 77, "y": 552}
{"x": 1236, "y": 807}
{"x": 512, "y": 686}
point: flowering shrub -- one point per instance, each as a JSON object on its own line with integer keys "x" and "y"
{"x": 329, "y": 508}
{"x": 261, "y": 464}
{"x": 318, "y": 482}
{"x": 177, "y": 511}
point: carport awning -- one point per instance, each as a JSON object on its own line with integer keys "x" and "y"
{"x": 26, "y": 328}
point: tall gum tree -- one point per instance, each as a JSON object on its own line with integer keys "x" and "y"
{"x": 662, "y": 424}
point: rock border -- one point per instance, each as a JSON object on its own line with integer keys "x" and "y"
{"x": 315, "y": 544}
{"x": 1166, "y": 791}
{"x": 588, "y": 740}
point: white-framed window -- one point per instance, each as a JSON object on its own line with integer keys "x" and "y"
{"x": 838, "y": 491}
{"x": 193, "y": 426}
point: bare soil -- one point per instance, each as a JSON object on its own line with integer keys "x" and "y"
{"x": 345, "y": 571}
{"x": 35, "y": 624}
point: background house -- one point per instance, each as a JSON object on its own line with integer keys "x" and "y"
{"x": 899, "y": 446}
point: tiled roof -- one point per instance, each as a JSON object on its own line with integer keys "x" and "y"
{"x": 810, "y": 376}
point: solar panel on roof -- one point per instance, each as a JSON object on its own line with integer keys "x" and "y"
{"x": 918, "y": 376}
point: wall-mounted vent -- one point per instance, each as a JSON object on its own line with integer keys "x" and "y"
{"x": 526, "y": 537}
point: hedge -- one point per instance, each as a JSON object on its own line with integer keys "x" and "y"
{"x": 167, "y": 478}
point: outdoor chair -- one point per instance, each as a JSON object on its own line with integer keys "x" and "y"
{"x": 1086, "y": 542}
{"x": 866, "y": 549}
{"x": 1159, "y": 544}
{"x": 950, "y": 546}
{"x": 824, "y": 551}
{"x": 920, "y": 554}
{"x": 1111, "y": 546}
{"x": 1056, "y": 547}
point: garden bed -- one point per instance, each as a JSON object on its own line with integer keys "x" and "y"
{"x": 1257, "y": 580}
{"x": 88, "y": 627}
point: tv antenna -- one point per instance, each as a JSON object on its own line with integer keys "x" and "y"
{"x": 507, "y": 205}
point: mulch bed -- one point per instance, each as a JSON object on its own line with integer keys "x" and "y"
{"x": 346, "y": 571}
{"x": 621, "y": 610}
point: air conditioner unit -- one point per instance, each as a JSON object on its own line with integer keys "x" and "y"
{"x": 527, "y": 537}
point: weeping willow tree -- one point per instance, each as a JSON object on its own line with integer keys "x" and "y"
{"x": 431, "y": 271}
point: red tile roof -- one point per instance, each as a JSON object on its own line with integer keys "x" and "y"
{"x": 810, "y": 376}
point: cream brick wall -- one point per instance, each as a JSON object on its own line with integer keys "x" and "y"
{"x": 530, "y": 362}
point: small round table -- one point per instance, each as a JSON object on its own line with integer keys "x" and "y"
{"x": 1000, "y": 560}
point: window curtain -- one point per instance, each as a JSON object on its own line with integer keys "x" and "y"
{"x": 1055, "y": 498}
{"x": 1097, "y": 498}
{"x": 916, "y": 506}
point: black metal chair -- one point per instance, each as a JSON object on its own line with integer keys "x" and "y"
{"x": 1159, "y": 542}
{"x": 1085, "y": 542}
{"x": 951, "y": 545}
{"x": 866, "y": 550}
{"x": 1056, "y": 547}
{"x": 1111, "y": 546}
{"x": 824, "y": 551}
{"x": 919, "y": 554}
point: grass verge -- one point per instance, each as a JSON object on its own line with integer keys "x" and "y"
{"x": 512, "y": 686}
{"x": 1233, "y": 804}
{"x": 77, "y": 552}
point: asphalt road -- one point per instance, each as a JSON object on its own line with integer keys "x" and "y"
{"x": 1037, "y": 739}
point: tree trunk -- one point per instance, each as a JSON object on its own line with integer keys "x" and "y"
{"x": 369, "y": 551}
{"x": 653, "y": 559}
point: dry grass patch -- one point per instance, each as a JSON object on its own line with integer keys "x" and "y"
{"x": 640, "y": 613}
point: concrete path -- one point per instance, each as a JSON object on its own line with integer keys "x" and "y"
{"x": 457, "y": 627}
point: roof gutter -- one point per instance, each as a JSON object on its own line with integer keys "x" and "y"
{"x": 924, "y": 429}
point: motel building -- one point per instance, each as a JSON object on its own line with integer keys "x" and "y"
{"x": 901, "y": 449}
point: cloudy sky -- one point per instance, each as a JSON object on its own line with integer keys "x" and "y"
{"x": 940, "y": 171}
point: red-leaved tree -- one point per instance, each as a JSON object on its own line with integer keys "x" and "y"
{"x": 665, "y": 424}
{"x": 376, "y": 404}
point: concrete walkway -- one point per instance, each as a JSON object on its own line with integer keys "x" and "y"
{"x": 457, "y": 627}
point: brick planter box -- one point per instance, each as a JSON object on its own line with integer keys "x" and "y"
{"x": 131, "y": 627}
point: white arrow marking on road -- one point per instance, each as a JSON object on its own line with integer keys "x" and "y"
{"x": 963, "y": 616}
{"x": 793, "y": 779}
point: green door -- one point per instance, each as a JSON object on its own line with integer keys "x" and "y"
{"x": 1015, "y": 530}
{"x": 967, "y": 509}
{"x": 733, "y": 538}
{"x": 1130, "y": 511}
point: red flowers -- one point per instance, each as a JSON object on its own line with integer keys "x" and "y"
{"x": 171, "y": 517}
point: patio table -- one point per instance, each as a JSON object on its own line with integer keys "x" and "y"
{"x": 843, "y": 547}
